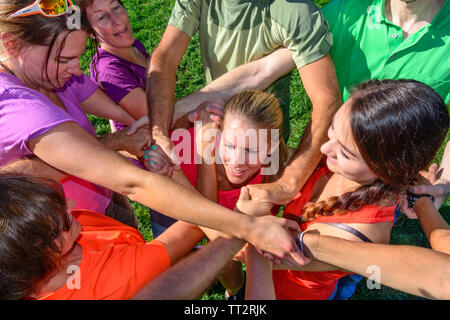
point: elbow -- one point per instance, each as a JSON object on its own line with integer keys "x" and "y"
{"x": 440, "y": 240}
{"x": 162, "y": 62}
{"x": 443, "y": 292}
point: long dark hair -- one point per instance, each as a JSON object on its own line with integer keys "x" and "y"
{"x": 32, "y": 215}
{"x": 37, "y": 29}
{"x": 398, "y": 126}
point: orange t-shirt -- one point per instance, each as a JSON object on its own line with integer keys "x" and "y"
{"x": 308, "y": 285}
{"x": 116, "y": 263}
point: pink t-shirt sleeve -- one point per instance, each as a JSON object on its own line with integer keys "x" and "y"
{"x": 25, "y": 115}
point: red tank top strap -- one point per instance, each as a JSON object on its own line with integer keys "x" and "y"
{"x": 296, "y": 206}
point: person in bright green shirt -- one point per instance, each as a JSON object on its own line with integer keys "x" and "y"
{"x": 391, "y": 39}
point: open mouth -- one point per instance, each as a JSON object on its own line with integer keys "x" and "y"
{"x": 237, "y": 172}
{"x": 121, "y": 33}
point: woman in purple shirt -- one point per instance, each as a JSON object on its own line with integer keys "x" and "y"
{"x": 39, "y": 55}
{"x": 120, "y": 64}
{"x": 31, "y": 105}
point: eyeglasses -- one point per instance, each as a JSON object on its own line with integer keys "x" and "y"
{"x": 68, "y": 223}
{"x": 48, "y": 8}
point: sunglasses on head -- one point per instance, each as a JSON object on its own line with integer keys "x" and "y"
{"x": 48, "y": 8}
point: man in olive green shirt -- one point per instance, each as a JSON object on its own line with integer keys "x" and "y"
{"x": 234, "y": 33}
{"x": 391, "y": 39}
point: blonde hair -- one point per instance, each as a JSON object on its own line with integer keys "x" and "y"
{"x": 261, "y": 109}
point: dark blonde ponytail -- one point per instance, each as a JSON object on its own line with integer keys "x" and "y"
{"x": 261, "y": 109}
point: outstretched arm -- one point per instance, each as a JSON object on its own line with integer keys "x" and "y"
{"x": 188, "y": 279}
{"x": 63, "y": 146}
{"x": 319, "y": 80}
{"x": 427, "y": 274}
{"x": 101, "y": 105}
{"x": 434, "y": 226}
{"x": 256, "y": 75}
{"x": 33, "y": 167}
{"x": 161, "y": 79}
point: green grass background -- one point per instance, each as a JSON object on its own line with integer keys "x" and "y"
{"x": 149, "y": 19}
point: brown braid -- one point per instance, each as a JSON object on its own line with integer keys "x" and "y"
{"x": 376, "y": 193}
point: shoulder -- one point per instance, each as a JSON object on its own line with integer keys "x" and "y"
{"x": 346, "y": 11}
{"x": 367, "y": 214}
{"x": 106, "y": 63}
{"x": 16, "y": 98}
{"x": 287, "y": 13}
{"x": 78, "y": 88}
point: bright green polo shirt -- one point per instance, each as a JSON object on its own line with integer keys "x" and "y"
{"x": 234, "y": 32}
{"x": 367, "y": 46}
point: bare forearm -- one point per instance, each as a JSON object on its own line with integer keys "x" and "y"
{"x": 101, "y": 105}
{"x": 189, "y": 278}
{"x": 160, "y": 97}
{"x": 259, "y": 283}
{"x": 308, "y": 155}
{"x": 433, "y": 224}
{"x": 179, "y": 239}
{"x": 33, "y": 167}
{"x": 256, "y": 75}
{"x": 320, "y": 83}
{"x": 427, "y": 274}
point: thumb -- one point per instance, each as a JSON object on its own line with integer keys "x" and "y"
{"x": 193, "y": 116}
{"x": 132, "y": 128}
{"x": 421, "y": 189}
{"x": 245, "y": 195}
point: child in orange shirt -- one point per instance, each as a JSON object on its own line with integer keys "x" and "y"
{"x": 49, "y": 252}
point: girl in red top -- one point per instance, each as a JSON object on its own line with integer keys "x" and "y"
{"x": 378, "y": 141}
{"x": 250, "y": 150}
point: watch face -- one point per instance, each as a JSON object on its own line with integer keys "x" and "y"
{"x": 414, "y": 197}
{"x": 410, "y": 199}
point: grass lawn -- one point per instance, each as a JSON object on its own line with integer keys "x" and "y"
{"x": 149, "y": 19}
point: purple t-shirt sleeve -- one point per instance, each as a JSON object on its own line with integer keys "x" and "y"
{"x": 23, "y": 116}
{"x": 116, "y": 78}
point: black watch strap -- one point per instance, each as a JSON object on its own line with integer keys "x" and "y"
{"x": 413, "y": 197}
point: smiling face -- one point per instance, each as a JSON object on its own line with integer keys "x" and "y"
{"x": 342, "y": 152}
{"x": 111, "y": 23}
{"x": 239, "y": 151}
{"x": 59, "y": 67}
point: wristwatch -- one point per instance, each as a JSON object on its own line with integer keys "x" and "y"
{"x": 412, "y": 198}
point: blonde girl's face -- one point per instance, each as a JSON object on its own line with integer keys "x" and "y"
{"x": 241, "y": 143}
{"x": 341, "y": 149}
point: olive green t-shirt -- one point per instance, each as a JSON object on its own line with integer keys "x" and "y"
{"x": 366, "y": 45}
{"x": 234, "y": 32}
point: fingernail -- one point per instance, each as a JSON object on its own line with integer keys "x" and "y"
{"x": 146, "y": 156}
{"x": 146, "y": 151}
{"x": 154, "y": 147}
{"x": 152, "y": 162}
